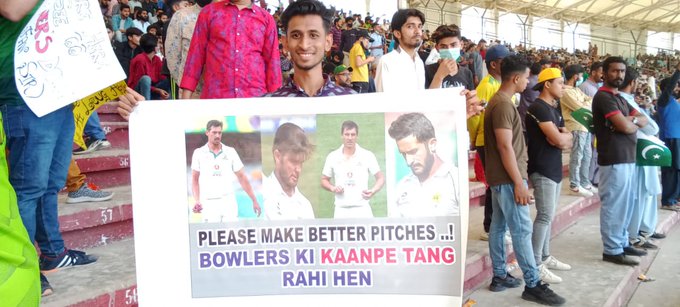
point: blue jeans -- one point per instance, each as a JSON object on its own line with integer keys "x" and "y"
{"x": 546, "y": 192}
{"x": 579, "y": 160}
{"x": 144, "y": 87}
{"x": 508, "y": 213}
{"x": 93, "y": 128}
{"x": 39, "y": 157}
{"x": 617, "y": 195}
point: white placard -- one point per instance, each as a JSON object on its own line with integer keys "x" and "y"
{"x": 64, "y": 54}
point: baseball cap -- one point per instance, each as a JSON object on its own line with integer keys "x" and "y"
{"x": 547, "y": 75}
{"x": 497, "y": 52}
{"x": 341, "y": 68}
{"x": 364, "y": 33}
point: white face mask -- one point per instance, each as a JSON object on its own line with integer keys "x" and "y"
{"x": 579, "y": 81}
{"x": 453, "y": 53}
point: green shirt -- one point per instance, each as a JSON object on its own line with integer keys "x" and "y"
{"x": 9, "y": 32}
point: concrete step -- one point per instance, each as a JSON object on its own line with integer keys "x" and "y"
{"x": 109, "y": 113}
{"x": 96, "y": 223}
{"x": 117, "y": 133}
{"x": 591, "y": 282}
{"x": 478, "y": 263}
{"x": 107, "y": 167}
{"x": 111, "y": 281}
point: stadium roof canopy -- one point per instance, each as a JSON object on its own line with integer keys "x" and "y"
{"x": 655, "y": 15}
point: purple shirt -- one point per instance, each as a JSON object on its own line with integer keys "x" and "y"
{"x": 290, "y": 89}
{"x": 337, "y": 36}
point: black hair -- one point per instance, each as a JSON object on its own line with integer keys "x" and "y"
{"x": 399, "y": 20}
{"x": 148, "y": 42}
{"x": 612, "y": 60}
{"x": 631, "y": 75}
{"x": 412, "y": 124}
{"x": 307, "y": 7}
{"x": 445, "y": 31}
{"x": 595, "y": 66}
{"x": 133, "y": 31}
{"x": 123, "y": 6}
{"x": 154, "y": 26}
{"x": 512, "y": 65}
{"x": 349, "y": 20}
{"x": 347, "y": 125}
{"x": 535, "y": 68}
{"x": 335, "y": 22}
{"x": 203, "y": 3}
{"x": 213, "y": 123}
{"x": 572, "y": 70}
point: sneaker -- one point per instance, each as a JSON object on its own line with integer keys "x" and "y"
{"x": 45, "y": 288}
{"x": 69, "y": 258}
{"x": 579, "y": 191}
{"x": 92, "y": 146}
{"x": 658, "y": 235}
{"x": 620, "y": 259}
{"x": 88, "y": 192}
{"x": 543, "y": 295}
{"x": 554, "y": 264}
{"x": 499, "y": 284}
{"x": 632, "y": 251}
{"x": 484, "y": 236}
{"x": 547, "y": 276}
{"x": 645, "y": 245}
{"x": 593, "y": 190}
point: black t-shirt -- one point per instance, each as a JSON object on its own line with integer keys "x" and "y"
{"x": 544, "y": 158}
{"x": 613, "y": 147}
{"x": 462, "y": 78}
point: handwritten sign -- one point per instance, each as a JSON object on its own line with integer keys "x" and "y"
{"x": 64, "y": 54}
{"x": 83, "y": 108}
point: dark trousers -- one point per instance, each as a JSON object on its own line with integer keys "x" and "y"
{"x": 670, "y": 176}
{"x": 360, "y": 87}
{"x": 488, "y": 209}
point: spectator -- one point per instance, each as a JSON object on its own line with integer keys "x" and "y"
{"x": 115, "y": 10}
{"x": 377, "y": 40}
{"x": 39, "y": 150}
{"x": 401, "y": 69}
{"x": 178, "y": 41}
{"x": 307, "y": 24}
{"x": 547, "y": 138}
{"x": 141, "y": 20}
{"x": 248, "y": 52}
{"x": 347, "y": 39}
{"x": 528, "y": 96}
{"x": 343, "y": 76}
{"x": 447, "y": 39}
{"x": 669, "y": 113}
{"x": 647, "y": 184}
{"x": 336, "y": 31}
{"x": 359, "y": 63}
{"x": 145, "y": 71}
{"x": 122, "y": 22}
{"x": 616, "y": 123}
{"x": 581, "y": 151}
{"x": 127, "y": 50}
{"x": 506, "y": 171}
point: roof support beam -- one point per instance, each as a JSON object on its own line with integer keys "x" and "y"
{"x": 648, "y": 9}
{"x": 611, "y": 7}
{"x": 573, "y": 5}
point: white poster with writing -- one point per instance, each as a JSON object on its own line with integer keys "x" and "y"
{"x": 64, "y": 54}
{"x": 325, "y": 201}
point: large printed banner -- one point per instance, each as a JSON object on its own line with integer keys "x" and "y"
{"x": 63, "y": 55}
{"x": 301, "y": 201}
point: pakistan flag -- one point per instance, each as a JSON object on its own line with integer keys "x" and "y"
{"x": 652, "y": 152}
{"x": 584, "y": 117}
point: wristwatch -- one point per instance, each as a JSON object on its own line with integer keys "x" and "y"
{"x": 635, "y": 120}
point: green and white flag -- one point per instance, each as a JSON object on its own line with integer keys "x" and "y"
{"x": 652, "y": 152}
{"x": 584, "y": 117}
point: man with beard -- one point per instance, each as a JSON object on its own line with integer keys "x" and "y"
{"x": 306, "y": 25}
{"x": 282, "y": 199}
{"x": 616, "y": 124}
{"x": 349, "y": 168}
{"x": 214, "y": 167}
{"x": 432, "y": 188}
{"x": 343, "y": 76}
{"x": 141, "y": 20}
{"x": 359, "y": 63}
{"x": 234, "y": 49}
{"x": 122, "y": 22}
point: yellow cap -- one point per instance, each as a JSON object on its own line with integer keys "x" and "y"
{"x": 547, "y": 75}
